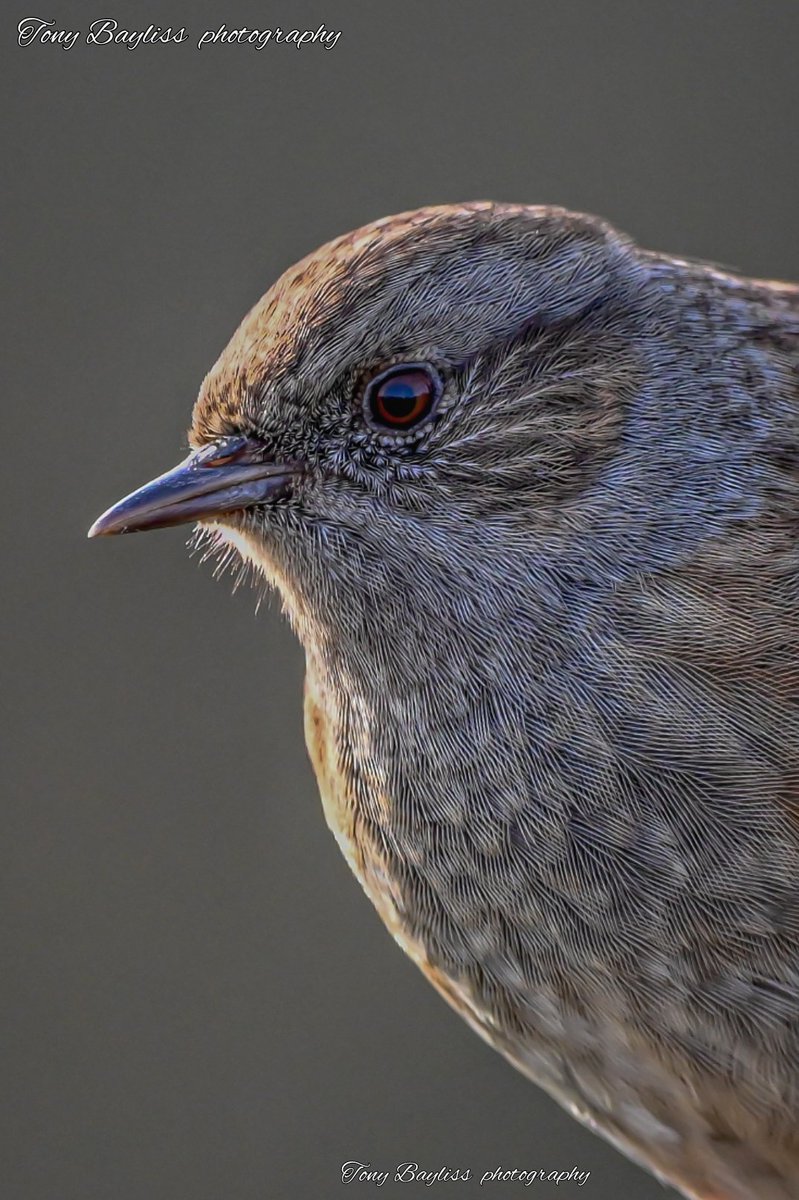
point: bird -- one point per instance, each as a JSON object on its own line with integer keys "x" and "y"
{"x": 529, "y": 494}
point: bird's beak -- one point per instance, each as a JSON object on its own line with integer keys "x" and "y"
{"x": 231, "y": 475}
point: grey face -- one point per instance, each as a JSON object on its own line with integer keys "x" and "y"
{"x": 454, "y": 369}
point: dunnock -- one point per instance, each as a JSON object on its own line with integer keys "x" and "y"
{"x": 530, "y": 496}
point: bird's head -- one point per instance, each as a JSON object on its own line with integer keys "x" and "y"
{"x": 410, "y": 401}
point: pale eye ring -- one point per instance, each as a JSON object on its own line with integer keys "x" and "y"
{"x": 400, "y": 397}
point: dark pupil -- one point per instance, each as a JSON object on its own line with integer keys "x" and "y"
{"x": 400, "y": 397}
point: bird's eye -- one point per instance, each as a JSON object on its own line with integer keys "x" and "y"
{"x": 402, "y": 396}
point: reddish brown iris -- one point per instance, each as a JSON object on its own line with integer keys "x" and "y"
{"x": 401, "y": 397}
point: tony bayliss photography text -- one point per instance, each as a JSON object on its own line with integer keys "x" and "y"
{"x": 33, "y": 31}
{"x": 354, "y": 1171}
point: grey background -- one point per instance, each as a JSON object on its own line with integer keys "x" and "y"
{"x": 201, "y": 1003}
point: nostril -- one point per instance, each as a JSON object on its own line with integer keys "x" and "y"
{"x": 221, "y": 459}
